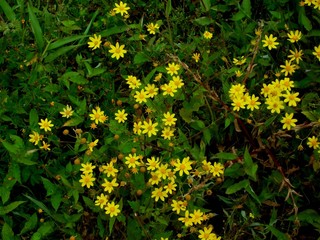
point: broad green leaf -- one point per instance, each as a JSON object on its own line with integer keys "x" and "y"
{"x": 304, "y": 20}
{"x": 74, "y": 121}
{"x": 30, "y": 224}
{"x": 56, "y": 200}
{"x": 7, "y": 232}
{"x": 40, "y": 205}
{"x": 111, "y": 224}
{"x": 6, "y": 209}
{"x": 64, "y": 41}
{"x": 197, "y": 125}
{"x": 249, "y": 167}
{"x": 204, "y": 21}
{"x": 33, "y": 119}
{"x": 75, "y": 77}
{"x": 49, "y": 186}
{"x": 225, "y": 156}
{"x": 238, "y": 16}
{"x": 133, "y": 229}
{"x": 246, "y": 7}
{"x": 168, "y": 8}
{"x": 205, "y": 5}
{"x": 59, "y": 52}
{"x": 8, "y": 11}
{"x": 5, "y": 194}
{"x": 278, "y": 234}
{"x": 238, "y": 186}
{"x": 36, "y": 29}
{"x": 311, "y": 115}
{"x": 46, "y": 228}
{"x": 116, "y": 128}
{"x": 140, "y": 58}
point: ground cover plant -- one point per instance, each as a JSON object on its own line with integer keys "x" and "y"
{"x": 159, "y": 119}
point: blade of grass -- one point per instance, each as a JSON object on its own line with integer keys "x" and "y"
{"x": 64, "y": 41}
{"x": 89, "y": 26}
{"x": 59, "y": 52}
{"x": 7, "y": 10}
{"x": 36, "y": 29}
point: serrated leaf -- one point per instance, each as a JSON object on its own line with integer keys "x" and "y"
{"x": 238, "y": 186}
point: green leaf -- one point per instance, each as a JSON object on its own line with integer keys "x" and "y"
{"x": 64, "y": 41}
{"x": 116, "y": 128}
{"x": 135, "y": 205}
{"x": 246, "y": 7}
{"x": 7, "y": 232}
{"x": 238, "y": 186}
{"x": 278, "y": 234}
{"x": 90, "y": 24}
{"x": 36, "y": 29}
{"x": 7, "y": 10}
{"x": 204, "y": 21}
{"x": 304, "y": 20}
{"x": 197, "y": 125}
{"x": 249, "y": 167}
{"x": 75, "y": 121}
{"x": 40, "y": 205}
{"x": 168, "y": 8}
{"x": 6, "y": 209}
{"x": 75, "y": 77}
{"x": 46, "y": 229}
{"x": 140, "y": 58}
{"x": 225, "y": 156}
{"x": 5, "y": 194}
{"x": 238, "y": 16}
{"x": 56, "y": 200}
{"x": 33, "y": 119}
{"x": 59, "y": 52}
{"x": 30, "y": 224}
{"x": 311, "y": 115}
{"x": 205, "y": 5}
{"x": 49, "y": 186}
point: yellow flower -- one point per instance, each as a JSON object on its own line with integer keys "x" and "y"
{"x": 170, "y": 187}
{"x": 313, "y": 142}
{"x": 87, "y": 180}
{"x": 34, "y": 138}
{"x": 197, "y": 216}
{"x": 112, "y": 209}
{"x": 141, "y": 96}
{"x": 121, "y": 8}
{"x": 137, "y": 128}
{"x": 109, "y": 186}
{"x": 295, "y": 55}
{"x": 288, "y": 69}
{"x": 274, "y": 104}
{"x": 317, "y": 52}
{"x": 149, "y": 128}
{"x": 196, "y": 57}
{"x": 217, "y": 169}
{"x": 270, "y": 42}
{"x": 151, "y": 90}
{"x": 238, "y": 73}
{"x": 132, "y": 160}
{"x": 95, "y": 42}
{"x": 169, "y": 89}
{"x": 45, "y": 124}
{"x": 288, "y": 121}
{"x": 183, "y": 167}
{"x": 236, "y": 90}
{"x": 133, "y": 82}
{"x": 253, "y": 103}
{"x": 110, "y": 170}
{"x": 308, "y": 2}
{"x": 93, "y": 144}
{"x": 207, "y": 234}
{"x": 178, "y": 206}
{"x": 316, "y": 4}
{"x": 176, "y": 81}
{"x": 169, "y": 119}
{"x": 121, "y": 116}
{"x": 152, "y": 28}
{"x": 286, "y": 84}
{"x": 294, "y": 36}
{"x": 291, "y": 98}
{"x": 45, "y": 146}
{"x": 101, "y": 200}
{"x": 207, "y": 35}
{"x": 67, "y": 112}
{"x": 87, "y": 168}
{"x": 117, "y": 51}
{"x": 173, "y": 68}
{"x": 238, "y": 103}
{"x": 158, "y": 193}
{"x": 239, "y": 62}
{"x": 187, "y": 220}
{"x": 152, "y": 163}
{"x": 155, "y": 179}
{"x": 96, "y": 115}
{"x": 167, "y": 133}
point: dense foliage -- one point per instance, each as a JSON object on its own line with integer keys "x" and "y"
{"x": 159, "y": 119}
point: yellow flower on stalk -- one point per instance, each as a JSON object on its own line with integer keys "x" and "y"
{"x": 137, "y": 128}
{"x": 141, "y": 96}
{"x": 132, "y": 160}
{"x": 288, "y": 121}
{"x": 101, "y": 200}
{"x": 236, "y": 90}
{"x": 96, "y": 115}
{"x": 308, "y": 2}
{"x": 313, "y": 142}
{"x": 167, "y": 133}
{"x": 270, "y": 42}
{"x": 291, "y": 98}
{"x": 207, "y": 234}
{"x": 112, "y": 209}
{"x": 158, "y": 77}
{"x": 274, "y": 104}
{"x": 169, "y": 119}
{"x": 207, "y": 35}
{"x": 238, "y": 103}
{"x": 196, "y": 57}
{"x": 117, "y": 51}
{"x": 183, "y": 166}
{"x": 45, "y": 146}
{"x": 294, "y": 36}
{"x": 133, "y": 82}
{"x": 149, "y": 128}
{"x": 34, "y": 138}
{"x": 238, "y": 73}
{"x": 152, "y": 163}
{"x": 121, "y": 116}
{"x": 158, "y": 193}
{"x": 67, "y": 112}
{"x": 295, "y": 55}
{"x": 288, "y": 68}
{"x": 239, "y": 62}
{"x": 176, "y": 81}
{"x": 266, "y": 89}
{"x": 317, "y": 52}
{"x": 93, "y": 144}
{"x": 253, "y": 102}
{"x": 316, "y": 4}
{"x": 152, "y": 28}
{"x": 121, "y": 8}
{"x": 170, "y": 187}
{"x": 197, "y": 216}
{"x": 87, "y": 168}
{"x": 287, "y": 84}
{"x": 95, "y": 42}
{"x": 178, "y": 206}
{"x": 109, "y": 186}
{"x": 186, "y": 220}
{"x": 169, "y": 89}
{"x": 45, "y": 124}
{"x": 173, "y": 68}
{"x": 87, "y": 180}
{"x": 151, "y": 90}
{"x": 217, "y": 169}
{"x": 162, "y": 171}
{"x": 155, "y": 179}
{"x": 110, "y": 170}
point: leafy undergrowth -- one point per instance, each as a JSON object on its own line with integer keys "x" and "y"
{"x": 159, "y": 119}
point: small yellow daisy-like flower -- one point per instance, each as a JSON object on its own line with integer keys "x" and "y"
{"x": 207, "y": 35}
{"x": 152, "y": 28}
{"x": 239, "y": 62}
{"x": 132, "y": 160}
{"x": 45, "y": 124}
{"x": 173, "y": 68}
{"x": 141, "y": 96}
{"x": 288, "y": 68}
{"x": 196, "y": 57}
{"x": 151, "y": 90}
{"x": 186, "y": 220}
{"x": 294, "y": 36}
{"x": 295, "y": 55}
{"x": 101, "y": 200}
{"x": 313, "y": 142}
{"x": 45, "y": 146}
{"x": 167, "y": 133}
{"x": 67, "y": 112}
{"x": 87, "y": 180}
{"x": 217, "y": 169}
{"x": 316, "y": 4}
{"x": 253, "y": 103}
{"x": 286, "y": 84}
{"x": 270, "y": 42}
{"x": 96, "y": 115}
{"x": 236, "y": 90}
{"x": 308, "y": 2}
{"x": 158, "y": 77}
{"x": 291, "y": 98}
{"x": 133, "y": 82}
{"x": 176, "y": 81}
{"x": 121, "y": 116}
{"x": 183, "y": 166}
{"x": 238, "y": 73}
{"x": 238, "y": 103}
{"x": 110, "y": 170}
{"x": 317, "y": 52}
{"x": 152, "y": 163}
{"x": 112, "y": 209}
{"x": 109, "y": 186}
{"x": 274, "y": 104}
{"x": 207, "y": 234}
{"x": 149, "y": 128}
{"x": 87, "y": 168}
{"x": 117, "y": 51}
{"x": 95, "y": 42}
{"x": 288, "y": 121}
{"x": 34, "y": 138}
{"x": 170, "y": 187}
{"x": 169, "y": 89}
{"x": 137, "y": 126}
{"x": 169, "y": 119}
{"x": 121, "y": 8}
{"x": 158, "y": 193}
{"x": 197, "y": 216}
{"x": 93, "y": 144}
{"x": 178, "y": 206}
